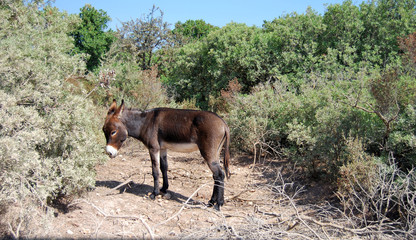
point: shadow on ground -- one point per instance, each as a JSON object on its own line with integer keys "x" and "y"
{"x": 144, "y": 190}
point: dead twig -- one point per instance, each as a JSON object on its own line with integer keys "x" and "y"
{"x": 122, "y": 184}
{"x": 183, "y": 206}
{"x": 237, "y": 196}
{"x": 257, "y": 209}
{"x": 301, "y": 218}
{"x": 16, "y": 233}
{"x": 149, "y": 230}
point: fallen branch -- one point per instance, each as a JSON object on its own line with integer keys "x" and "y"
{"x": 16, "y": 233}
{"x": 183, "y": 206}
{"x": 257, "y": 209}
{"x": 122, "y": 184}
{"x": 370, "y": 229}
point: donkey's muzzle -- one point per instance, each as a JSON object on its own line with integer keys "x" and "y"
{"x": 111, "y": 151}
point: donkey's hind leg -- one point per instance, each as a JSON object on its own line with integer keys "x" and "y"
{"x": 218, "y": 192}
{"x": 164, "y": 170}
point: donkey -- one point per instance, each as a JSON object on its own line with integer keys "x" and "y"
{"x": 179, "y": 130}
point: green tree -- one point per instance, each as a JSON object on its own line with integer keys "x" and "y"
{"x": 344, "y": 28}
{"x": 90, "y": 37}
{"x": 143, "y": 36}
{"x": 202, "y": 68}
{"x": 384, "y": 21}
{"x": 293, "y": 43}
{"x": 192, "y": 30}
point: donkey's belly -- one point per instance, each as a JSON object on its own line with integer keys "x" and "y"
{"x": 180, "y": 147}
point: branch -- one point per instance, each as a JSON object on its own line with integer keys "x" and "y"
{"x": 122, "y": 184}
{"x": 152, "y": 236}
{"x": 237, "y": 196}
{"x": 300, "y": 219}
{"x": 183, "y": 206}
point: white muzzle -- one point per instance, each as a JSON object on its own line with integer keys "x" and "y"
{"x": 111, "y": 151}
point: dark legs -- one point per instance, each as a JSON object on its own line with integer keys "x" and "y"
{"x": 217, "y": 199}
{"x": 159, "y": 158}
{"x": 154, "y": 157}
{"x": 211, "y": 155}
{"x": 164, "y": 170}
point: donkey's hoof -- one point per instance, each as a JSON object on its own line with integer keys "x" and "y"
{"x": 210, "y": 203}
{"x": 217, "y": 207}
{"x": 167, "y": 196}
{"x": 152, "y": 196}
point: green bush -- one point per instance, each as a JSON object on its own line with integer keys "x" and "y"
{"x": 307, "y": 124}
{"x": 358, "y": 172}
{"x": 402, "y": 141}
{"x": 121, "y": 78}
{"x": 251, "y": 119}
{"x": 49, "y": 138}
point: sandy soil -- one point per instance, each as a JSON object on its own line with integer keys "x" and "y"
{"x": 252, "y": 206}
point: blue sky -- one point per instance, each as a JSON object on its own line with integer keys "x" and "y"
{"x": 215, "y": 12}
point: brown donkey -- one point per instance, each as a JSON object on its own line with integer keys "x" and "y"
{"x": 178, "y": 130}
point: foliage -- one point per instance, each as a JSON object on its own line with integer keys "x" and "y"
{"x": 250, "y": 119}
{"x": 402, "y": 140}
{"x": 121, "y": 78}
{"x": 143, "y": 36}
{"x": 346, "y": 37}
{"x": 191, "y": 30}
{"x": 293, "y": 44}
{"x": 90, "y": 36}
{"x": 308, "y": 125}
{"x": 334, "y": 93}
{"x": 371, "y": 29}
{"x": 48, "y": 135}
{"x": 384, "y": 22}
{"x": 201, "y": 69}
{"x": 343, "y": 26}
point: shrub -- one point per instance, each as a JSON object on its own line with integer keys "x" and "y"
{"x": 376, "y": 195}
{"x": 359, "y": 171}
{"x": 48, "y": 135}
{"x": 402, "y": 141}
{"x": 307, "y": 125}
{"x": 250, "y": 119}
{"x": 139, "y": 88}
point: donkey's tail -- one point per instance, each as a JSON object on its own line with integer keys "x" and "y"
{"x": 227, "y": 152}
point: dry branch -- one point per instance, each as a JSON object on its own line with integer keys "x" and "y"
{"x": 183, "y": 206}
{"x": 122, "y": 184}
{"x": 149, "y": 230}
{"x": 237, "y": 195}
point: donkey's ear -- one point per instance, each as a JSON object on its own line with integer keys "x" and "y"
{"x": 120, "y": 109}
{"x": 113, "y": 107}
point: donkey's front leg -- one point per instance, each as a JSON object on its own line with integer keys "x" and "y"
{"x": 154, "y": 156}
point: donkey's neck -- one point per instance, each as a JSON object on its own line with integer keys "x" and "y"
{"x": 133, "y": 119}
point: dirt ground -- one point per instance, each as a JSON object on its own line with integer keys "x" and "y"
{"x": 252, "y": 208}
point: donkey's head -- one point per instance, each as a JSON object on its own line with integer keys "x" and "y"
{"x": 114, "y": 130}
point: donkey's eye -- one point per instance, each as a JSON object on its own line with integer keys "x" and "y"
{"x": 113, "y": 133}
